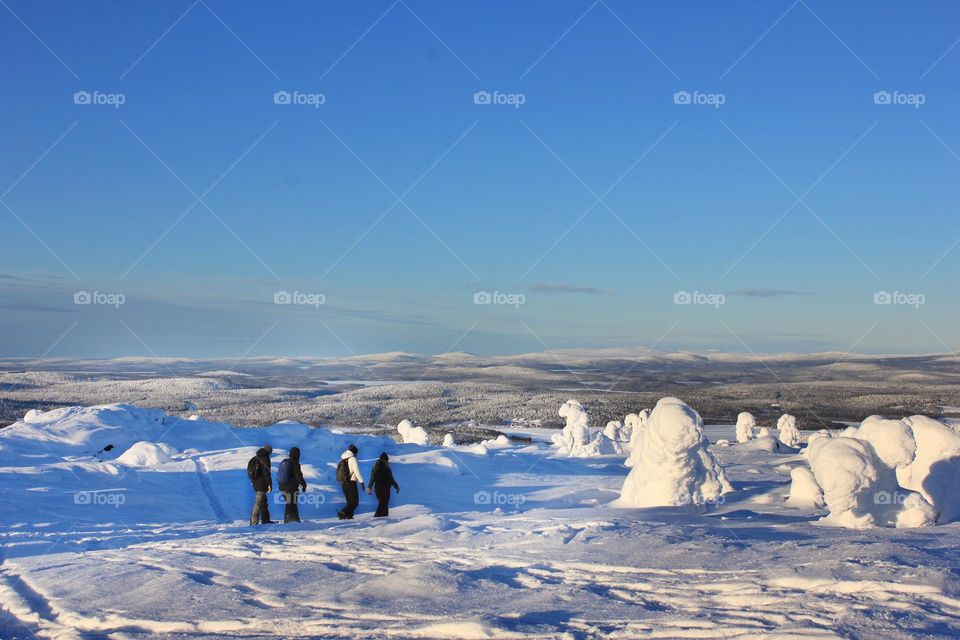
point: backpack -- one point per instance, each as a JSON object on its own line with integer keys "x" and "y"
{"x": 343, "y": 471}
{"x": 283, "y": 473}
{"x": 254, "y": 470}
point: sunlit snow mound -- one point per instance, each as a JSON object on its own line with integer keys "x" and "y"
{"x": 858, "y": 475}
{"x": 672, "y": 463}
{"x": 411, "y": 434}
{"x": 147, "y": 454}
{"x": 577, "y": 438}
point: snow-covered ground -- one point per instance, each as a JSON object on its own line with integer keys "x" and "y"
{"x": 151, "y": 539}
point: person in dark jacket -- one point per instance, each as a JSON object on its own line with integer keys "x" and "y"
{"x": 381, "y": 479}
{"x": 262, "y": 484}
{"x": 295, "y": 481}
{"x": 348, "y": 475}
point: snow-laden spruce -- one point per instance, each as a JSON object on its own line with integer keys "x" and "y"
{"x": 411, "y": 434}
{"x": 789, "y": 433}
{"x": 858, "y": 476}
{"x": 745, "y": 426}
{"x": 618, "y": 431}
{"x": 935, "y": 469}
{"x": 672, "y": 465}
{"x": 636, "y": 422}
{"x": 577, "y": 438}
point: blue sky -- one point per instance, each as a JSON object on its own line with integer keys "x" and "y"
{"x": 594, "y": 202}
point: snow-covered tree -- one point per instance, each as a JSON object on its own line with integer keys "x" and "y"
{"x": 411, "y": 434}
{"x": 858, "y": 475}
{"x": 636, "y": 422}
{"x": 672, "y": 463}
{"x": 789, "y": 434}
{"x": 577, "y": 439}
{"x": 745, "y": 425}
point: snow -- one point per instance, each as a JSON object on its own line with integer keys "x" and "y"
{"x": 636, "y": 422}
{"x": 804, "y": 490}
{"x": 789, "y": 434}
{"x": 448, "y": 440}
{"x": 745, "y": 426}
{"x": 147, "y": 454}
{"x": 577, "y": 438}
{"x": 935, "y": 471}
{"x": 673, "y": 465}
{"x": 859, "y": 478}
{"x": 513, "y": 542}
{"x": 412, "y": 434}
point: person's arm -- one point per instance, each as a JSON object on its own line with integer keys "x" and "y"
{"x": 391, "y": 480}
{"x": 355, "y": 470}
{"x": 299, "y": 478}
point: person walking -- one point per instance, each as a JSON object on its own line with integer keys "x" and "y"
{"x": 348, "y": 475}
{"x": 381, "y": 479}
{"x": 258, "y": 470}
{"x": 290, "y": 479}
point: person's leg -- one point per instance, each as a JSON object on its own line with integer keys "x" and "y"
{"x": 291, "y": 512}
{"x": 342, "y": 512}
{"x": 383, "y": 501}
{"x": 287, "y": 499}
{"x": 265, "y": 509}
{"x": 258, "y": 502}
{"x": 352, "y": 494}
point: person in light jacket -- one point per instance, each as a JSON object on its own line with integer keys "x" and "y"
{"x": 348, "y": 475}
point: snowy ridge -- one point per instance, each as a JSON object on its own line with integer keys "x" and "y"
{"x": 497, "y": 540}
